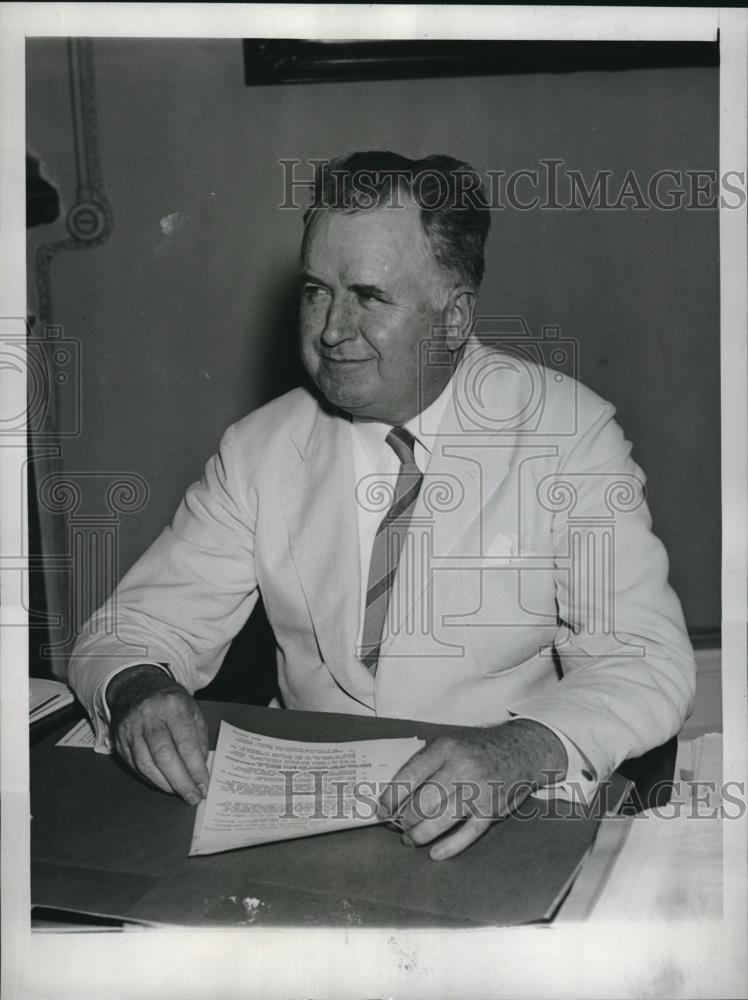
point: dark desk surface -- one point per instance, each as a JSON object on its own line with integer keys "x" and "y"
{"x": 104, "y": 842}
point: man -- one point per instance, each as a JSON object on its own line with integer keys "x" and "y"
{"x": 425, "y": 531}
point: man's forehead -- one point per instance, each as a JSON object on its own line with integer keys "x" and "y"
{"x": 373, "y": 236}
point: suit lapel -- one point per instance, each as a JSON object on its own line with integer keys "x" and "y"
{"x": 319, "y": 506}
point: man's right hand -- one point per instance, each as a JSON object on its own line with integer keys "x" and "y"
{"x": 159, "y": 730}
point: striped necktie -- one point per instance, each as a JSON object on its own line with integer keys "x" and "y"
{"x": 388, "y": 543}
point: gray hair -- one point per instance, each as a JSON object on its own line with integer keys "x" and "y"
{"x": 453, "y": 210}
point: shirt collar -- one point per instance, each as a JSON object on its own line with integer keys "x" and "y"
{"x": 423, "y": 426}
{"x": 372, "y": 435}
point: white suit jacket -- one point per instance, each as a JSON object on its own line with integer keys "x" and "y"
{"x": 530, "y": 583}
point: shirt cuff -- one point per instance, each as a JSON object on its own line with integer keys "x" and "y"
{"x": 101, "y": 715}
{"x": 581, "y": 781}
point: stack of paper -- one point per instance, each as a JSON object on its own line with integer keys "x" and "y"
{"x": 46, "y": 697}
{"x": 666, "y": 863}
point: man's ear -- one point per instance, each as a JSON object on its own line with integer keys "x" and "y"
{"x": 458, "y": 315}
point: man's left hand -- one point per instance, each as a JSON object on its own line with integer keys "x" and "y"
{"x": 472, "y": 779}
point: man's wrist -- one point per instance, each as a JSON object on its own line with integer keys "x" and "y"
{"x": 550, "y": 760}
{"x": 137, "y": 680}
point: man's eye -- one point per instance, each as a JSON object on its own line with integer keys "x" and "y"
{"x": 312, "y": 291}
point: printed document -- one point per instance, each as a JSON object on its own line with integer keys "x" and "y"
{"x": 264, "y": 789}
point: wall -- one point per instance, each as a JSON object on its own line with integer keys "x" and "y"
{"x": 182, "y": 333}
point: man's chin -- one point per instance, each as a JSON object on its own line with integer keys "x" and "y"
{"x": 346, "y": 397}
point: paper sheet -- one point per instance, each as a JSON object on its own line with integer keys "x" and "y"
{"x": 46, "y": 697}
{"x": 265, "y": 789}
{"x": 666, "y": 863}
{"x": 81, "y": 735}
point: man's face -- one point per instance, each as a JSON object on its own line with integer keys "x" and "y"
{"x": 370, "y": 294}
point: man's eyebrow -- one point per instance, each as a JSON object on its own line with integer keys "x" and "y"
{"x": 306, "y": 276}
{"x": 364, "y": 289}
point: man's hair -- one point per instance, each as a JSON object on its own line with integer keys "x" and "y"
{"x": 453, "y": 210}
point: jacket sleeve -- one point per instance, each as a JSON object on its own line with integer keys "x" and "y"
{"x": 184, "y": 600}
{"x": 628, "y": 669}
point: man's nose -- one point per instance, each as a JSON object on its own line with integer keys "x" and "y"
{"x": 338, "y": 325}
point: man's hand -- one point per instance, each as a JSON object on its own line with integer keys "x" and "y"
{"x": 159, "y": 730}
{"x": 477, "y": 777}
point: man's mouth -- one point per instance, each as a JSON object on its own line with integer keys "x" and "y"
{"x": 345, "y": 361}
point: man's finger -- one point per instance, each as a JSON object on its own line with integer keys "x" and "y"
{"x": 202, "y": 729}
{"x": 470, "y": 831}
{"x": 167, "y": 759}
{"x": 431, "y": 827}
{"x": 412, "y": 774}
{"x": 133, "y": 750}
{"x": 187, "y": 741}
{"x": 139, "y": 758}
{"x": 124, "y": 751}
{"x": 432, "y": 802}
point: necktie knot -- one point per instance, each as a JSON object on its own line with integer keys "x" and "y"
{"x": 402, "y": 443}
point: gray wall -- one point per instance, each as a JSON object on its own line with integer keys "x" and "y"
{"x": 181, "y": 334}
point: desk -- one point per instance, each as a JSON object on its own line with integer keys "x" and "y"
{"x": 666, "y": 863}
{"x": 104, "y": 842}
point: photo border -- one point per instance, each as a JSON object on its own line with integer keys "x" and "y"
{"x": 616, "y": 960}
